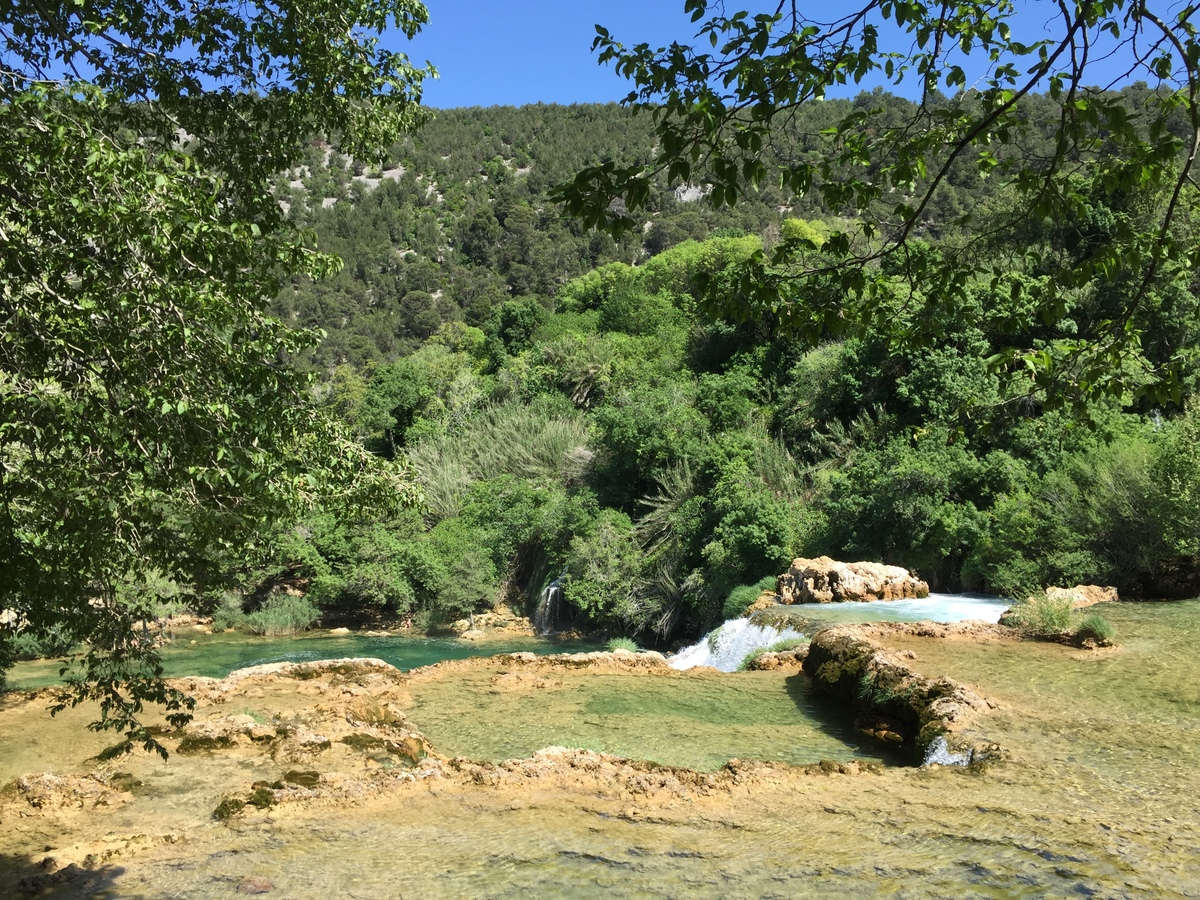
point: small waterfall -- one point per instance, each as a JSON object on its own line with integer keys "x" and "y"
{"x": 939, "y": 754}
{"x": 545, "y": 618}
{"x": 725, "y": 647}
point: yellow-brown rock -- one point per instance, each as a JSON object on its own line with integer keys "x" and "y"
{"x": 1084, "y": 595}
{"x": 825, "y": 580}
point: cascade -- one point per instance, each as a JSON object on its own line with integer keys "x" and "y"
{"x": 940, "y": 754}
{"x": 549, "y": 603}
{"x": 725, "y": 647}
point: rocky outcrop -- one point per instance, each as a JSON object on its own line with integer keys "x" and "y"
{"x": 45, "y": 791}
{"x": 825, "y": 580}
{"x": 1083, "y": 595}
{"x": 500, "y": 622}
{"x": 927, "y": 719}
{"x": 783, "y": 660}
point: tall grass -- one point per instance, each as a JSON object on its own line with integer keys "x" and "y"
{"x": 1041, "y": 615}
{"x": 622, "y": 643}
{"x": 740, "y": 598}
{"x": 1096, "y": 627}
{"x": 283, "y": 614}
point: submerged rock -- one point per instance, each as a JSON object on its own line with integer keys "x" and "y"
{"x": 255, "y": 884}
{"x": 825, "y": 580}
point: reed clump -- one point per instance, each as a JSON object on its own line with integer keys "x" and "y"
{"x": 1052, "y": 618}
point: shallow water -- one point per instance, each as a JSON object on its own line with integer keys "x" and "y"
{"x": 1098, "y": 799}
{"x": 699, "y": 720}
{"x": 216, "y": 655}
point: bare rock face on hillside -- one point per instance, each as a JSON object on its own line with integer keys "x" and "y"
{"x": 825, "y": 580}
{"x": 1083, "y": 595}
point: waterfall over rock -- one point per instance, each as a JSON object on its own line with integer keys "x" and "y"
{"x": 725, "y": 647}
{"x": 940, "y": 754}
{"x": 545, "y": 618}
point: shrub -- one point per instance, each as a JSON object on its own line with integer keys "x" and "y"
{"x": 1095, "y": 627}
{"x": 283, "y": 614}
{"x": 604, "y": 573}
{"x": 622, "y": 643}
{"x": 228, "y": 613}
{"x": 740, "y": 598}
{"x": 42, "y": 643}
{"x": 1041, "y": 616}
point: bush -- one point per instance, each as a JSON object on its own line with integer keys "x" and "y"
{"x": 604, "y": 573}
{"x": 740, "y": 598}
{"x": 228, "y": 613}
{"x": 1041, "y": 616}
{"x": 42, "y": 644}
{"x": 622, "y": 643}
{"x": 1095, "y": 627}
{"x": 283, "y": 614}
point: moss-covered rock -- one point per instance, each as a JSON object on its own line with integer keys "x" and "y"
{"x": 889, "y": 699}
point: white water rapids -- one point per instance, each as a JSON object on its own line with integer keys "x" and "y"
{"x": 725, "y": 647}
{"x": 728, "y": 645}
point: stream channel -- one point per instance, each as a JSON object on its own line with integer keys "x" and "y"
{"x": 1097, "y": 797}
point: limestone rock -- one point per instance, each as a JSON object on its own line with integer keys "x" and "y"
{"x": 825, "y": 580}
{"x": 1083, "y": 595}
{"x": 500, "y": 621}
{"x": 895, "y": 704}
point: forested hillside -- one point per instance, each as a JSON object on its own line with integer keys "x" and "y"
{"x": 576, "y": 411}
{"x": 456, "y": 224}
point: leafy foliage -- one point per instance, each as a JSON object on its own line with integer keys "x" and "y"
{"x": 738, "y": 111}
{"x": 282, "y": 614}
{"x": 149, "y": 420}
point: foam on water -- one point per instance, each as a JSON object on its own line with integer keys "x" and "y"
{"x": 934, "y": 608}
{"x": 727, "y": 646}
{"x": 724, "y": 648}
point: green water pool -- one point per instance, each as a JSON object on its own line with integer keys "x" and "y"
{"x": 699, "y": 720}
{"x": 216, "y": 655}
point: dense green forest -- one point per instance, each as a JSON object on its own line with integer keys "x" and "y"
{"x": 577, "y": 409}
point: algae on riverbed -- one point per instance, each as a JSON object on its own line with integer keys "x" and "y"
{"x": 1097, "y": 799}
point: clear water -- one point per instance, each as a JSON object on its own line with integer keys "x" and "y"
{"x": 216, "y": 655}
{"x": 1099, "y": 799}
{"x": 698, "y": 720}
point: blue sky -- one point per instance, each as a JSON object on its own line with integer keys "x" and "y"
{"x": 521, "y": 51}
{"x": 493, "y": 52}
